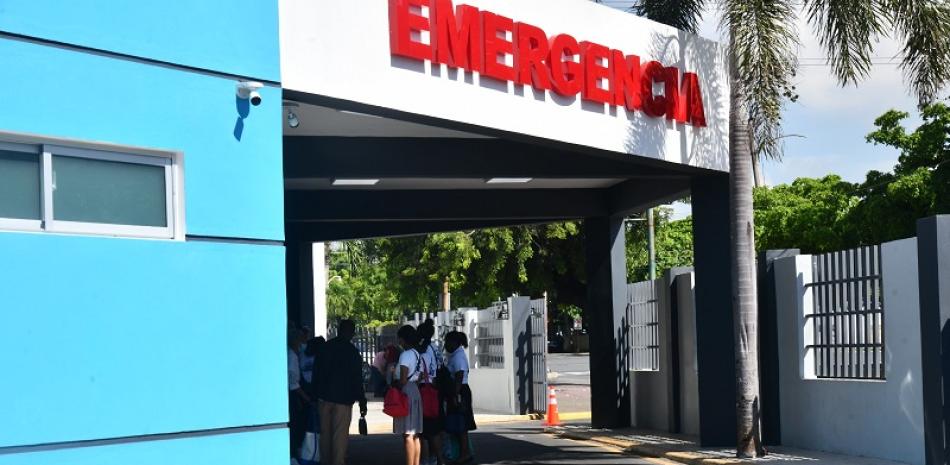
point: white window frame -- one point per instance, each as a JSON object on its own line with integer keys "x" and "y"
{"x": 46, "y": 148}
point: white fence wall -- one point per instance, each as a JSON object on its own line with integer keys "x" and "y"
{"x": 653, "y": 396}
{"x": 871, "y": 418}
{"x": 650, "y": 378}
{"x": 493, "y": 388}
{"x": 492, "y": 377}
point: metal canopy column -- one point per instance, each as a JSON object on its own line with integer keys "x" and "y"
{"x": 933, "y": 262}
{"x": 714, "y": 323}
{"x": 606, "y": 323}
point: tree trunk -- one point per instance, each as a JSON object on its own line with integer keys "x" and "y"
{"x": 757, "y": 172}
{"x": 749, "y": 440}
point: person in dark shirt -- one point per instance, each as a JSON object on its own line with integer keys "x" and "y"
{"x": 338, "y": 376}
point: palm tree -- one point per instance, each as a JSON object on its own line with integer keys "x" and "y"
{"x": 762, "y": 39}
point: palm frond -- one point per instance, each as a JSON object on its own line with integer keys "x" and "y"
{"x": 847, "y": 29}
{"x": 924, "y": 28}
{"x": 681, "y": 14}
{"x": 763, "y": 41}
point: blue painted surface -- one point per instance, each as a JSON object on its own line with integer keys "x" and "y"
{"x": 233, "y": 36}
{"x": 233, "y": 178}
{"x": 251, "y": 448}
{"x": 104, "y": 338}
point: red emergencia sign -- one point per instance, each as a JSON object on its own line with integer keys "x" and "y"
{"x": 477, "y": 40}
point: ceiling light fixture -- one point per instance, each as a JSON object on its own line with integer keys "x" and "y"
{"x": 508, "y": 180}
{"x": 355, "y": 182}
{"x": 292, "y": 120}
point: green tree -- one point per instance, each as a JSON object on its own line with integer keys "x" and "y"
{"x": 357, "y": 286}
{"x": 828, "y": 214}
{"x": 762, "y": 38}
{"x": 810, "y": 214}
{"x": 919, "y": 186}
{"x": 674, "y": 245}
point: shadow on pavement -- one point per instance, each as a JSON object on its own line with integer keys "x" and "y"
{"x": 496, "y": 445}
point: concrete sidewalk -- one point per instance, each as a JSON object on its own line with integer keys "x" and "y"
{"x": 378, "y": 422}
{"x": 684, "y": 449}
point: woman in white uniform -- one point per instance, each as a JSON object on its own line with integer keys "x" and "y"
{"x": 455, "y": 344}
{"x": 410, "y": 426}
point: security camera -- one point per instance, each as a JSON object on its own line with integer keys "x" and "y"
{"x": 247, "y": 90}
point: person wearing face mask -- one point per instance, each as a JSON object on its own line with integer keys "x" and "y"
{"x": 298, "y": 398}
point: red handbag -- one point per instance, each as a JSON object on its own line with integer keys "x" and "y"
{"x": 429, "y": 394}
{"x": 396, "y": 403}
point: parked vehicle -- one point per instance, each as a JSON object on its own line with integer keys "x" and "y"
{"x": 556, "y": 343}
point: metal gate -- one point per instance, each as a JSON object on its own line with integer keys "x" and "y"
{"x": 643, "y": 315}
{"x": 537, "y": 328}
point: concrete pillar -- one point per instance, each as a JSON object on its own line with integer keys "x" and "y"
{"x": 933, "y": 261}
{"x": 714, "y": 322}
{"x": 605, "y": 315}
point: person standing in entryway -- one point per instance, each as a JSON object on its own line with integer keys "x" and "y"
{"x": 339, "y": 382}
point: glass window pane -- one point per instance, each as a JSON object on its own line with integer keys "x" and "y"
{"x": 98, "y": 191}
{"x": 19, "y": 185}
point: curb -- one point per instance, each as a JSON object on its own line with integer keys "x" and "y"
{"x": 647, "y": 450}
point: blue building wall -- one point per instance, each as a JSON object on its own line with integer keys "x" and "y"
{"x": 228, "y": 36}
{"x": 115, "y": 340}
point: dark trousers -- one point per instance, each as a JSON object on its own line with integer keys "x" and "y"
{"x": 378, "y": 382}
{"x": 298, "y": 423}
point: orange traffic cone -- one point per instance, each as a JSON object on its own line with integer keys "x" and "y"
{"x": 551, "y": 418}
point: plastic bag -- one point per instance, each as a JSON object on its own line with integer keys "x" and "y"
{"x": 310, "y": 449}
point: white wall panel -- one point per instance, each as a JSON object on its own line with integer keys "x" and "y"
{"x": 342, "y": 50}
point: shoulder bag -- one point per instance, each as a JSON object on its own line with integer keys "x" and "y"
{"x": 430, "y": 395}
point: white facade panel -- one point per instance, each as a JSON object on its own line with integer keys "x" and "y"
{"x": 342, "y": 50}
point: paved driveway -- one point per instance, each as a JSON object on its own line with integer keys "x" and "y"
{"x": 510, "y": 444}
{"x": 570, "y": 376}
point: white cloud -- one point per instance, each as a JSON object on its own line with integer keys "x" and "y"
{"x": 834, "y": 120}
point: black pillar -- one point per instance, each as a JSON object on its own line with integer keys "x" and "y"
{"x": 299, "y": 268}
{"x": 768, "y": 346}
{"x": 605, "y": 315}
{"x": 714, "y": 323}
{"x": 673, "y": 387}
{"x": 933, "y": 264}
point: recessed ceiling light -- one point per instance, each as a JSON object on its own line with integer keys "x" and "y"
{"x": 356, "y": 113}
{"x": 355, "y": 182}
{"x": 508, "y": 180}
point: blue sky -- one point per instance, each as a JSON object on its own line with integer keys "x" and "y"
{"x": 832, "y": 119}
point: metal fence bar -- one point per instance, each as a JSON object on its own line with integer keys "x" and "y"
{"x": 848, "y": 314}
{"x": 874, "y": 320}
